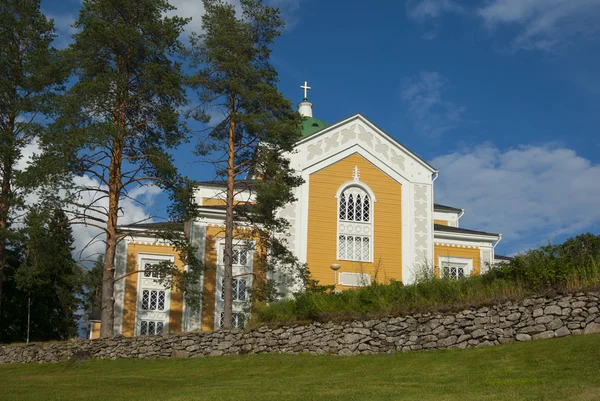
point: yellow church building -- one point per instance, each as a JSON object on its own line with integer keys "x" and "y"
{"x": 366, "y": 207}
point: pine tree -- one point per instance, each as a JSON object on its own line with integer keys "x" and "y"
{"x": 31, "y": 74}
{"x": 119, "y": 119}
{"x": 48, "y": 278}
{"x": 234, "y": 76}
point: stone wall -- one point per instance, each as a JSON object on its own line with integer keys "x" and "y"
{"x": 530, "y": 319}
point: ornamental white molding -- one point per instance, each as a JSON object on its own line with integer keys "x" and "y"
{"x": 421, "y": 222}
{"x": 457, "y": 245}
{"x": 357, "y": 133}
{"x": 147, "y": 242}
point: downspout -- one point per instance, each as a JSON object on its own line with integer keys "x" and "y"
{"x": 494, "y": 249}
{"x": 435, "y": 176}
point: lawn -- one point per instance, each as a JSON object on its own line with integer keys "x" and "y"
{"x": 557, "y": 369}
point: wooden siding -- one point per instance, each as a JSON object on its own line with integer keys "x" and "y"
{"x": 322, "y": 221}
{"x": 131, "y": 283}
{"x": 469, "y": 253}
{"x": 440, "y": 222}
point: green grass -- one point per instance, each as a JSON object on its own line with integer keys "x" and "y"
{"x": 557, "y": 369}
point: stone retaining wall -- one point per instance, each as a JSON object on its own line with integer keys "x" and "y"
{"x": 530, "y": 319}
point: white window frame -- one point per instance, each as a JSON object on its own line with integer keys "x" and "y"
{"x": 348, "y": 227}
{"x": 235, "y": 316}
{"x": 466, "y": 263}
{"x": 139, "y": 312}
{"x": 238, "y": 270}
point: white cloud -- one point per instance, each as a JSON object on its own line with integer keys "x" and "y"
{"x": 529, "y": 194}
{"x": 195, "y": 9}
{"x": 423, "y": 9}
{"x": 63, "y": 24}
{"x": 431, "y": 114}
{"x": 133, "y": 209}
{"x": 543, "y": 24}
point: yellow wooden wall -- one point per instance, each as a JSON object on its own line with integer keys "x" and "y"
{"x": 131, "y": 282}
{"x": 469, "y": 253}
{"x": 440, "y": 222}
{"x": 322, "y": 221}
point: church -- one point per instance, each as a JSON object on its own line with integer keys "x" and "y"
{"x": 365, "y": 212}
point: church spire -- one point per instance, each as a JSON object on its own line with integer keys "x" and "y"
{"x": 305, "y": 107}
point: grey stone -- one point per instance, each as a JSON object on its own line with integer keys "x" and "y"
{"x": 523, "y": 337}
{"x": 592, "y": 328}
{"x": 544, "y": 319}
{"x": 478, "y": 333}
{"x": 513, "y": 316}
{"x": 553, "y": 310}
{"x": 538, "y": 312}
{"x": 555, "y": 324}
{"x": 352, "y": 338}
{"x": 543, "y": 335}
{"x": 562, "y": 332}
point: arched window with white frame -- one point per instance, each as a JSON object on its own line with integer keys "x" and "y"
{"x": 355, "y": 223}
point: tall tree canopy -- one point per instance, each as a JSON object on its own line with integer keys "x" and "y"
{"x": 119, "y": 119}
{"x": 30, "y": 78}
{"x": 49, "y": 276}
{"x": 234, "y": 78}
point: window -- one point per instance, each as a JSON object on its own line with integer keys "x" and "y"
{"x": 237, "y": 320}
{"x": 150, "y": 327}
{"x": 353, "y": 247}
{"x": 240, "y": 257}
{"x": 148, "y": 272}
{"x": 238, "y": 287}
{"x": 355, "y": 222}
{"x": 153, "y": 300}
{"x": 455, "y": 268}
{"x": 355, "y": 205}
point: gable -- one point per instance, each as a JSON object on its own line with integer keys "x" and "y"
{"x": 357, "y": 134}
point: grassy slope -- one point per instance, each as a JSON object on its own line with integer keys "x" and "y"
{"x": 557, "y": 369}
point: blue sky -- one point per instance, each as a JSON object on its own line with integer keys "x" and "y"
{"x": 502, "y": 96}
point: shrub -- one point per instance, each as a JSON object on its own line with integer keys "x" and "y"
{"x": 551, "y": 268}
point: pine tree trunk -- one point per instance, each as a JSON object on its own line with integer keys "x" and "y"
{"x": 108, "y": 277}
{"x": 229, "y": 222}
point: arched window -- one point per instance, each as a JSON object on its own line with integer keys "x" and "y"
{"x": 355, "y": 224}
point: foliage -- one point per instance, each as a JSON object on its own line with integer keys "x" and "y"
{"x": 48, "y": 278}
{"x": 256, "y": 126}
{"x": 574, "y": 264}
{"x": 119, "y": 120}
{"x": 92, "y": 287}
{"x": 564, "y": 369}
{"x": 31, "y": 77}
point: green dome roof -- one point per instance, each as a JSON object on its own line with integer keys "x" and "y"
{"x": 311, "y": 125}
